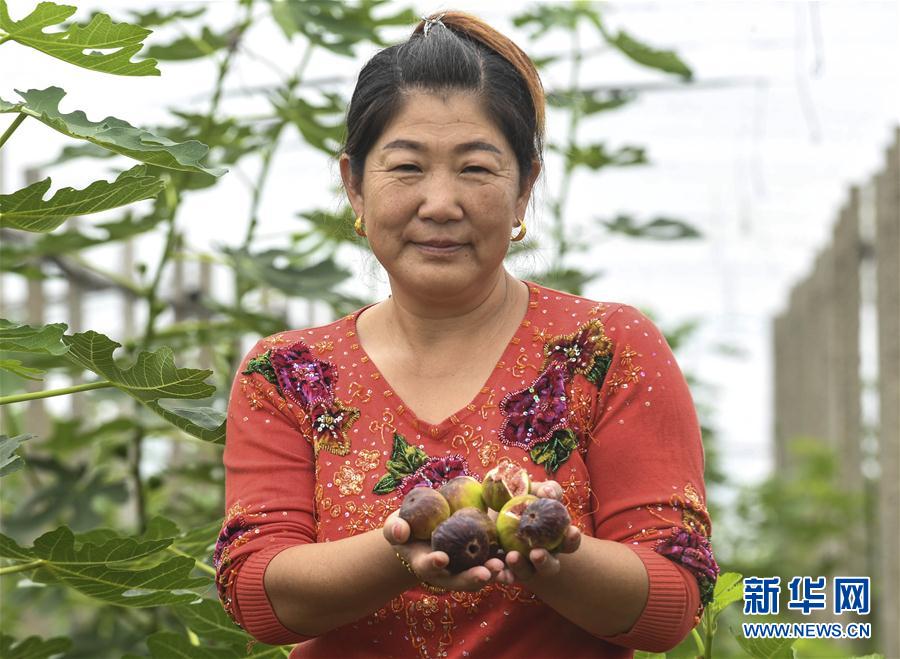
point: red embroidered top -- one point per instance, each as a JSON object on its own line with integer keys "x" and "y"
{"x": 320, "y": 448}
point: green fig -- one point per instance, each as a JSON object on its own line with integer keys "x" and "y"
{"x": 423, "y": 509}
{"x": 503, "y": 482}
{"x": 508, "y": 524}
{"x": 463, "y": 492}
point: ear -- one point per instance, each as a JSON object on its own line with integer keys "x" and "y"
{"x": 527, "y": 187}
{"x": 352, "y": 186}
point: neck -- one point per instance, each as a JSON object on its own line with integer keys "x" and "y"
{"x": 426, "y": 323}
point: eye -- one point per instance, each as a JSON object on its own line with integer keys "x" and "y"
{"x": 476, "y": 168}
{"x": 406, "y": 167}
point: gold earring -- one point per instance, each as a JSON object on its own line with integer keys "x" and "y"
{"x": 359, "y": 227}
{"x": 519, "y": 236}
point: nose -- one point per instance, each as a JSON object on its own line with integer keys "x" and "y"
{"x": 441, "y": 199}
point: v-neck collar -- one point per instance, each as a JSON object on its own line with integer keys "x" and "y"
{"x": 438, "y": 430}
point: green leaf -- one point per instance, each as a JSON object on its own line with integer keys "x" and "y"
{"x": 640, "y": 654}
{"x": 33, "y": 647}
{"x": 285, "y": 271}
{"x": 662, "y": 60}
{"x": 16, "y": 367}
{"x": 554, "y": 452}
{"x": 111, "y": 133}
{"x": 588, "y": 102}
{"x": 168, "y": 645}
{"x": 26, "y": 209}
{"x": 9, "y": 461}
{"x": 596, "y": 156}
{"x": 70, "y": 45}
{"x": 204, "y": 423}
{"x": 72, "y": 240}
{"x": 661, "y": 228}
{"x": 729, "y": 589}
{"x": 765, "y": 648}
{"x": 24, "y": 338}
{"x": 208, "y": 620}
{"x": 156, "y": 18}
{"x": 101, "y": 570}
{"x": 337, "y": 26}
{"x": 153, "y": 375}
{"x": 188, "y": 47}
{"x": 306, "y": 117}
{"x": 405, "y": 457}
{"x": 386, "y": 485}
{"x": 564, "y": 15}
{"x": 200, "y": 542}
{"x": 261, "y": 364}
{"x": 599, "y": 368}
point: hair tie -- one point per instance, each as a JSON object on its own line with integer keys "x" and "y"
{"x": 429, "y": 22}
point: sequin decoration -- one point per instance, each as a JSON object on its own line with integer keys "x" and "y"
{"x": 236, "y": 530}
{"x": 533, "y": 414}
{"x": 309, "y": 383}
{"x": 586, "y": 351}
{"x": 348, "y": 480}
{"x": 694, "y": 552}
{"x": 409, "y": 467}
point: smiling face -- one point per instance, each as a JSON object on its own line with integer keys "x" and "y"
{"x": 440, "y": 196}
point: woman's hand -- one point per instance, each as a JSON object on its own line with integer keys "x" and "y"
{"x": 540, "y": 562}
{"x": 431, "y": 566}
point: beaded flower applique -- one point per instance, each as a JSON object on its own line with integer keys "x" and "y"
{"x": 689, "y": 543}
{"x": 309, "y": 383}
{"x": 409, "y": 467}
{"x": 537, "y": 418}
{"x": 236, "y": 531}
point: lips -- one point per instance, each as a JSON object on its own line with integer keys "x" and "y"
{"x": 438, "y": 243}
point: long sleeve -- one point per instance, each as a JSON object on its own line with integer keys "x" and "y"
{"x": 646, "y": 468}
{"x": 269, "y": 491}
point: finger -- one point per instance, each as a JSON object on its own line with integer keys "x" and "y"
{"x": 399, "y": 531}
{"x": 545, "y": 564}
{"x": 547, "y": 489}
{"x": 495, "y": 565}
{"x": 519, "y": 566}
{"x": 572, "y": 541}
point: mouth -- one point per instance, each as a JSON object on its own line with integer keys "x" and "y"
{"x": 438, "y": 246}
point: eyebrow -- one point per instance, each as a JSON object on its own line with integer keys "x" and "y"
{"x": 465, "y": 147}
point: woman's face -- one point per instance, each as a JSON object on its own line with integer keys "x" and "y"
{"x": 440, "y": 196}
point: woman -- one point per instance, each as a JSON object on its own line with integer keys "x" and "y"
{"x": 462, "y": 367}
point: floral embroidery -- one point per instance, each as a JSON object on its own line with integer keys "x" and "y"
{"x": 537, "y": 418}
{"x": 308, "y": 382}
{"x": 694, "y": 515}
{"x": 301, "y": 377}
{"x": 330, "y": 426}
{"x": 628, "y": 373}
{"x": 236, "y": 531}
{"x": 409, "y": 467}
{"x": 587, "y": 351}
{"x": 694, "y": 552}
{"x": 553, "y": 453}
{"x": 348, "y": 480}
{"x": 533, "y": 414}
{"x": 368, "y": 459}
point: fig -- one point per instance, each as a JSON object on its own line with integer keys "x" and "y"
{"x": 464, "y": 537}
{"x": 544, "y": 524}
{"x": 527, "y": 522}
{"x": 508, "y": 523}
{"x": 423, "y": 509}
{"x": 489, "y": 527}
{"x": 463, "y": 492}
{"x": 503, "y": 482}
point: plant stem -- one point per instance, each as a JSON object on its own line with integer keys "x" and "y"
{"x": 22, "y": 567}
{"x": 12, "y": 128}
{"x": 701, "y": 649}
{"x": 134, "y": 469}
{"x": 5, "y": 38}
{"x": 710, "y": 636}
{"x": 49, "y": 393}
{"x": 200, "y": 565}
